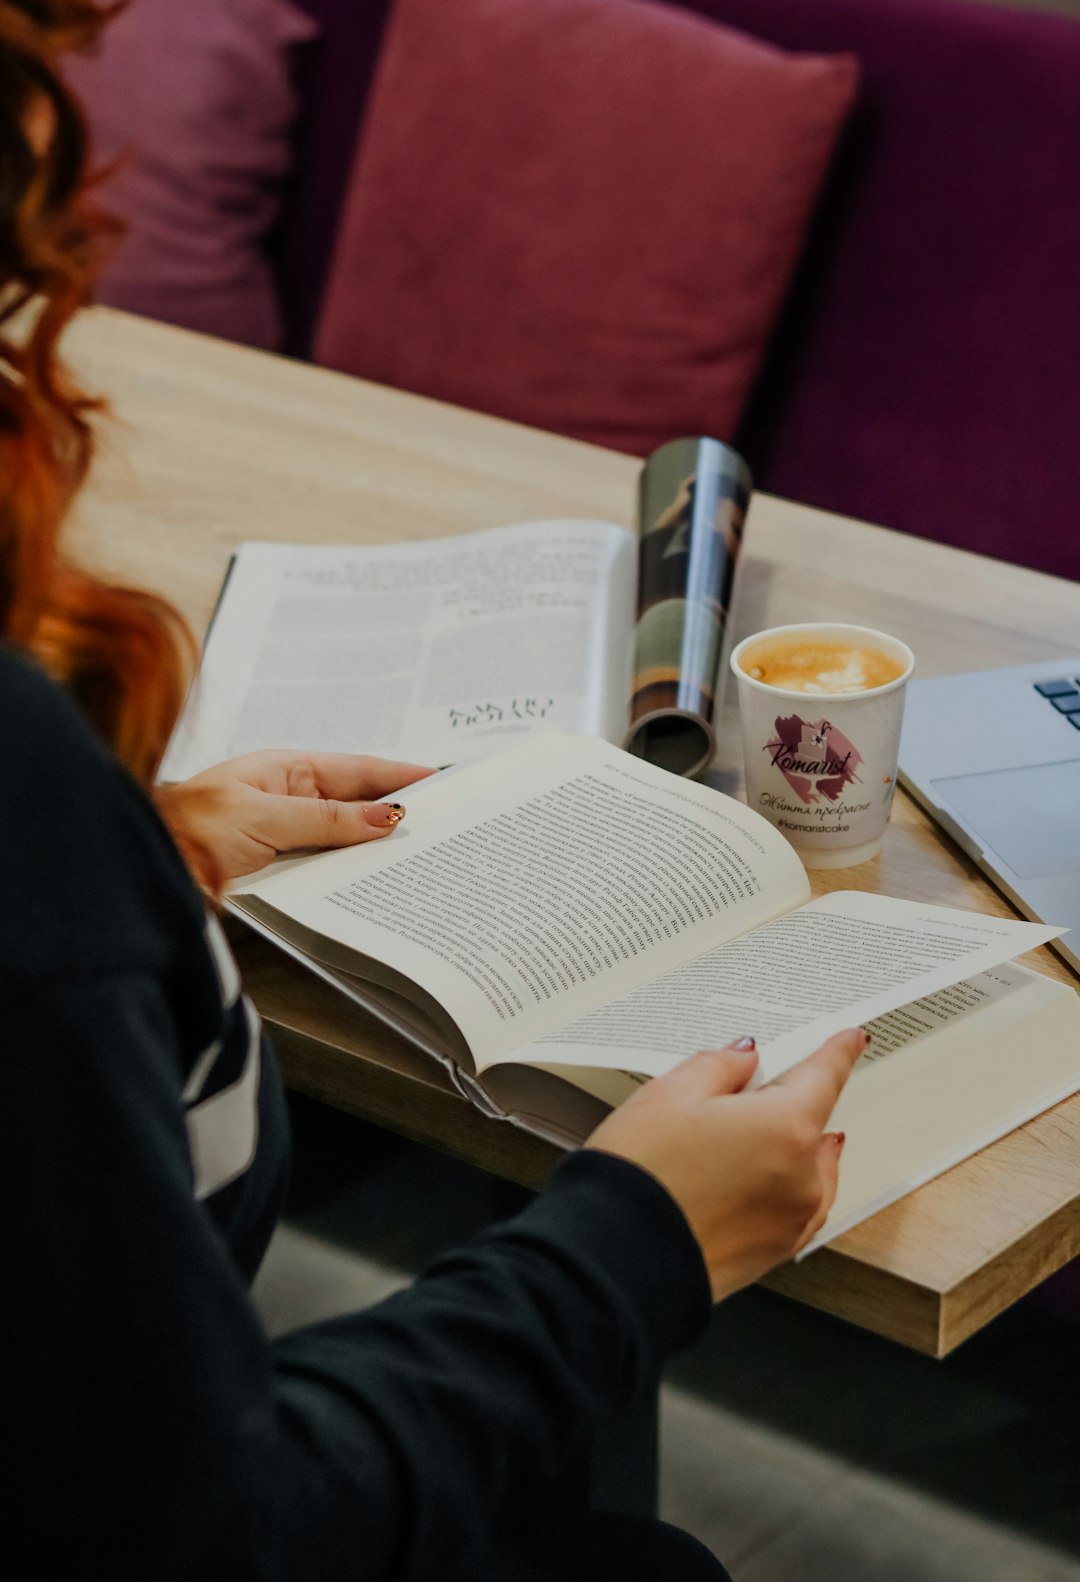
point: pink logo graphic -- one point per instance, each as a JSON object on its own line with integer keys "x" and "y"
{"x": 814, "y": 759}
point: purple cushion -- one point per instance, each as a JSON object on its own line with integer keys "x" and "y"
{"x": 496, "y": 248}
{"x": 194, "y": 98}
{"x": 931, "y": 379}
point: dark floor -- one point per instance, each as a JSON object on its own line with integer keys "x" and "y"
{"x": 800, "y": 1448}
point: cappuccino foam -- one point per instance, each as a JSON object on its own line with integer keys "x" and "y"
{"x": 818, "y": 665}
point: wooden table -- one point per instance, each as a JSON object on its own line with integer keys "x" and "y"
{"x": 215, "y": 444}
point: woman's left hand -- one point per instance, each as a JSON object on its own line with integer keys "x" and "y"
{"x": 247, "y": 811}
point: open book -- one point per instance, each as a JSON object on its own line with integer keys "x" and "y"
{"x": 560, "y": 921}
{"x": 429, "y": 652}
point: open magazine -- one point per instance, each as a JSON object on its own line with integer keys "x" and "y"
{"x": 559, "y": 922}
{"x": 433, "y": 651}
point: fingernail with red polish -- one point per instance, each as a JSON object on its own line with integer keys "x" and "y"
{"x": 745, "y": 1043}
{"x": 840, "y": 1139}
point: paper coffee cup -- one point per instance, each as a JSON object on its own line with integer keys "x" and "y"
{"x": 821, "y": 764}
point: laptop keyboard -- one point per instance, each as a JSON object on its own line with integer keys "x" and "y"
{"x": 1063, "y": 696}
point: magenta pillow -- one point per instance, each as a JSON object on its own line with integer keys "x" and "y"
{"x": 581, "y": 214}
{"x": 194, "y": 98}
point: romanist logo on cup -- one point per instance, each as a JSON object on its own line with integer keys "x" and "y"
{"x": 821, "y": 706}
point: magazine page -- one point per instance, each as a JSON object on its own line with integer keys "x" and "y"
{"x": 527, "y": 889}
{"x": 426, "y": 652}
{"x": 692, "y": 502}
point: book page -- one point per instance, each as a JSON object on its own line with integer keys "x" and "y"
{"x": 425, "y": 652}
{"x": 837, "y": 962}
{"x": 947, "y": 1076}
{"x": 530, "y": 888}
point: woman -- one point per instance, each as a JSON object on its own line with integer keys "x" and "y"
{"x": 156, "y": 1433}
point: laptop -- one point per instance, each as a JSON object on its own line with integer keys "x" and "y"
{"x": 994, "y": 757}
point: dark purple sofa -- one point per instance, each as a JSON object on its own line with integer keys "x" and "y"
{"x": 926, "y": 374}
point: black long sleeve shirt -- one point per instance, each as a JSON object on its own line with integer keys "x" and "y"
{"x": 154, "y": 1431}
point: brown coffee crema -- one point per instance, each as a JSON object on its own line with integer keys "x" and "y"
{"x": 818, "y": 664}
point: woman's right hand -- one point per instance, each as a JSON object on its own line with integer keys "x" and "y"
{"x": 754, "y": 1172}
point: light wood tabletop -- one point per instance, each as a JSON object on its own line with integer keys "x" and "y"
{"x": 210, "y": 444}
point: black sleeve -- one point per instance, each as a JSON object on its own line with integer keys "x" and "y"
{"x": 158, "y": 1434}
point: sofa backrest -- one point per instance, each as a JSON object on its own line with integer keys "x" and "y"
{"x": 336, "y": 74}
{"x": 927, "y": 372}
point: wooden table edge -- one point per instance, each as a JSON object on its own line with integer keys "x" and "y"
{"x": 875, "y": 1299}
{"x": 435, "y": 1115}
{"x": 933, "y": 1321}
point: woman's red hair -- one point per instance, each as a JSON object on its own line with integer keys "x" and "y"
{"x": 125, "y": 655}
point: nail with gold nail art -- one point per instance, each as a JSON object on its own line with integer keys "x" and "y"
{"x": 384, "y": 815}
